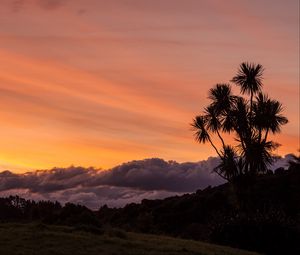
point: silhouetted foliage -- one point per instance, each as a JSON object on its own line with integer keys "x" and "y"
{"x": 269, "y": 233}
{"x": 270, "y": 215}
{"x": 250, "y": 121}
{"x": 14, "y": 208}
{"x": 279, "y": 170}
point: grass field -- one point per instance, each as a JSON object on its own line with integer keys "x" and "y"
{"x": 39, "y": 239}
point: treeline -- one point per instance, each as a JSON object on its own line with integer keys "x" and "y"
{"x": 263, "y": 216}
{"x": 17, "y": 209}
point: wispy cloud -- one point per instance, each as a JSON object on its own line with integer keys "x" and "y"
{"x": 132, "y": 74}
{"x": 19, "y": 5}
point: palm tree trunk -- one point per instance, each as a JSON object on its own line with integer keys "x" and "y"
{"x": 221, "y": 139}
{"x": 251, "y": 101}
{"x": 242, "y": 139}
{"x": 251, "y": 106}
{"x": 214, "y": 147}
{"x": 221, "y": 175}
{"x": 266, "y": 135}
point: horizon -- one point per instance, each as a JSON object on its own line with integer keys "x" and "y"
{"x": 93, "y": 83}
{"x": 276, "y": 157}
{"x": 130, "y": 182}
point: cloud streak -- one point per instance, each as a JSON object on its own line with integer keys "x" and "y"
{"x": 132, "y": 74}
{"x": 48, "y": 5}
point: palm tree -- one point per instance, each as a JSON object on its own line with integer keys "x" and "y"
{"x": 249, "y": 78}
{"x": 249, "y": 120}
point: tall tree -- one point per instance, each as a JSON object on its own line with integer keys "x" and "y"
{"x": 249, "y": 120}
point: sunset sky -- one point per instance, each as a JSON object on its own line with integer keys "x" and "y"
{"x": 98, "y": 83}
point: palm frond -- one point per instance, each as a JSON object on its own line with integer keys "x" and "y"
{"x": 213, "y": 121}
{"x": 221, "y": 97}
{"x": 258, "y": 155}
{"x": 249, "y": 77}
{"x": 229, "y": 166}
{"x": 267, "y": 114}
{"x": 199, "y": 126}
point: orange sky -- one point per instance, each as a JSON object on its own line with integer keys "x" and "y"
{"x": 88, "y": 82}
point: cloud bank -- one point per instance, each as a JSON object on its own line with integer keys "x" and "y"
{"x": 130, "y": 182}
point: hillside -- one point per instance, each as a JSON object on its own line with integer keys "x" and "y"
{"x": 261, "y": 215}
{"x": 31, "y": 239}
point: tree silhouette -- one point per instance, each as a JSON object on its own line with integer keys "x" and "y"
{"x": 249, "y": 120}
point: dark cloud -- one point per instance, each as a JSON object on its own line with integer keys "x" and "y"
{"x": 130, "y": 182}
{"x": 157, "y": 174}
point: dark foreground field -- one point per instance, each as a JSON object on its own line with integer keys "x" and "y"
{"x": 42, "y": 239}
